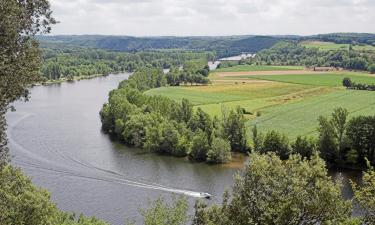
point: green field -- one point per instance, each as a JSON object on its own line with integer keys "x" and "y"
{"x": 327, "y": 46}
{"x": 222, "y": 93}
{"x": 300, "y": 118}
{"x": 243, "y": 68}
{"x": 288, "y": 103}
{"x": 329, "y": 79}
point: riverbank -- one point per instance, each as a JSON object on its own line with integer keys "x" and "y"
{"x": 75, "y": 78}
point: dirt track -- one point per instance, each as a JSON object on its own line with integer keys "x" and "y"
{"x": 281, "y": 72}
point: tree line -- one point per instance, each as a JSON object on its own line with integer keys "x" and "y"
{"x": 293, "y": 53}
{"x": 341, "y": 141}
{"x": 348, "y": 83}
{"x": 71, "y": 62}
{"x": 159, "y": 124}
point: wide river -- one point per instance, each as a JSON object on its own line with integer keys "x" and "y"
{"x": 56, "y": 139}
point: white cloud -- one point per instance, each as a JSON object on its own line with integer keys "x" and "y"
{"x": 212, "y": 17}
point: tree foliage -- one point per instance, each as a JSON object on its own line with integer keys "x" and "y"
{"x": 19, "y": 53}
{"x": 267, "y": 194}
{"x": 163, "y": 213}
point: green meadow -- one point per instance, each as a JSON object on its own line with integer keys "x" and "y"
{"x": 329, "y": 79}
{"x": 246, "y": 68}
{"x": 287, "y": 103}
{"x": 301, "y": 118}
{"x": 327, "y": 46}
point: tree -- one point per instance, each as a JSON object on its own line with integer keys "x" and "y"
{"x": 304, "y": 146}
{"x": 235, "y": 130}
{"x": 257, "y": 139}
{"x": 361, "y": 137}
{"x": 327, "y": 143}
{"x": 365, "y": 195}
{"x": 162, "y": 213}
{"x": 20, "y": 56}
{"x": 277, "y": 143}
{"x": 23, "y": 203}
{"x": 339, "y": 119}
{"x": 371, "y": 68}
{"x": 294, "y": 191}
{"x": 201, "y": 121}
{"x": 186, "y": 110}
{"x": 219, "y": 151}
{"x": 200, "y": 146}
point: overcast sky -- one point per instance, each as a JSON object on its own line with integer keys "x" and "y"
{"x": 212, "y": 17}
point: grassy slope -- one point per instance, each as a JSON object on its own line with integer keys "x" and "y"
{"x": 218, "y": 93}
{"x": 290, "y": 103}
{"x": 242, "y": 68}
{"x": 326, "y": 46}
{"x": 329, "y": 79}
{"x": 300, "y": 118}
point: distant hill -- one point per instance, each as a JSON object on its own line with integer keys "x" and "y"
{"x": 223, "y": 45}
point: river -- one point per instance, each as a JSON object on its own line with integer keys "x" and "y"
{"x": 56, "y": 139}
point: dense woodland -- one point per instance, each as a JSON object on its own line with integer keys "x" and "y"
{"x": 293, "y": 53}
{"x": 223, "y": 46}
{"x": 71, "y": 62}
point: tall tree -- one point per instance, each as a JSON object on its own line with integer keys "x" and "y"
{"x": 339, "y": 119}
{"x": 20, "y": 57}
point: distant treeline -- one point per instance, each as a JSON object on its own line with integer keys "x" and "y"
{"x": 345, "y": 38}
{"x": 223, "y": 46}
{"x": 83, "y": 62}
{"x": 159, "y": 124}
{"x": 293, "y": 53}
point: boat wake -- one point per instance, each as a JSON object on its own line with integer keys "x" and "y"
{"x": 91, "y": 172}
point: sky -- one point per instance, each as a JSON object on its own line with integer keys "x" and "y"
{"x": 212, "y": 17}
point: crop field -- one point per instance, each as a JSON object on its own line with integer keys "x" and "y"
{"x": 221, "y": 93}
{"x": 241, "y": 68}
{"x": 283, "y": 99}
{"x": 328, "y": 79}
{"x": 327, "y": 46}
{"x": 301, "y": 118}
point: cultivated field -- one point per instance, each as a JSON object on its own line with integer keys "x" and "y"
{"x": 326, "y": 46}
{"x": 288, "y": 99}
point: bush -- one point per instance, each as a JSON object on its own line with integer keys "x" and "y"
{"x": 347, "y": 82}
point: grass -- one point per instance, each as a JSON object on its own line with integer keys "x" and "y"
{"x": 288, "y": 103}
{"x": 219, "y": 93}
{"x": 329, "y": 79}
{"x": 327, "y": 46}
{"x": 300, "y": 118}
{"x": 242, "y": 68}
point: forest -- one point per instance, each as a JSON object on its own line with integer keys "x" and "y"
{"x": 72, "y": 62}
{"x": 293, "y": 53}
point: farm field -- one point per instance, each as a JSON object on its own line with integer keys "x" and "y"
{"x": 327, "y": 46}
{"x": 241, "y": 68}
{"x": 325, "y": 79}
{"x": 300, "y": 118}
{"x": 286, "y": 100}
